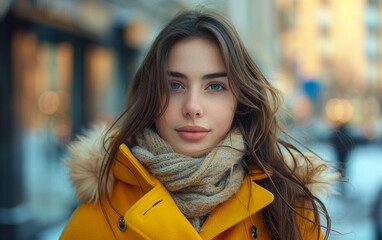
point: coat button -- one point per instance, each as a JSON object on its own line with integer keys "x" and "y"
{"x": 121, "y": 224}
{"x": 253, "y": 231}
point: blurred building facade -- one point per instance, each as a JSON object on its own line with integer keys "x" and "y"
{"x": 331, "y": 51}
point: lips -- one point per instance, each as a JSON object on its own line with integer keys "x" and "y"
{"x": 192, "y": 133}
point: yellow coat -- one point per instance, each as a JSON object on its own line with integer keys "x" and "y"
{"x": 150, "y": 213}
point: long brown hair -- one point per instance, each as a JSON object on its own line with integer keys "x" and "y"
{"x": 256, "y": 116}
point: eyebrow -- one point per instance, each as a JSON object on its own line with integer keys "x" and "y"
{"x": 205, "y": 77}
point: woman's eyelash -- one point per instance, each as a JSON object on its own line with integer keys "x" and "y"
{"x": 175, "y": 86}
{"x": 216, "y": 86}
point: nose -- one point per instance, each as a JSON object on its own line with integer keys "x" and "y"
{"x": 193, "y": 105}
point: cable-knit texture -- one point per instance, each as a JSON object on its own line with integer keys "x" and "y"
{"x": 197, "y": 185}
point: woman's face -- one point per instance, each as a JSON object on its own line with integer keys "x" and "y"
{"x": 201, "y": 105}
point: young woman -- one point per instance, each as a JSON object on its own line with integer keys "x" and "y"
{"x": 200, "y": 154}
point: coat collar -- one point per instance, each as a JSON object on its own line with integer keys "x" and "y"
{"x": 129, "y": 170}
{"x": 250, "y": 198}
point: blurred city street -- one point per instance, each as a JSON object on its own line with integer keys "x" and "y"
{"x": 352, "y": 211}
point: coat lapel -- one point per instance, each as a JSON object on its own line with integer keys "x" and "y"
{"x": 129, "y": 170}
{"x": 250, "y": 199}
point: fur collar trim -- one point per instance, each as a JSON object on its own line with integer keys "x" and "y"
{"x": 85, "y": 160}
{"x": 87, "y": 153}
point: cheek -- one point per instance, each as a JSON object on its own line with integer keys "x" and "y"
{"x": 225, "y": 119}
{"x": 161, "y": 123}
{"x": 165, "y": 121}
{"x": 224, "y": 114}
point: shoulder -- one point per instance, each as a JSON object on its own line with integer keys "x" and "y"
{"x": 90, "y": 220}
{"x": 86, "y": 222}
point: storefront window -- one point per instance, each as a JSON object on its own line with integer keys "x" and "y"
{"x": 42, "y": 81}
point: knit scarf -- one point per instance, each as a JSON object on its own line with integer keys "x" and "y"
{"x": 197, "y": 185}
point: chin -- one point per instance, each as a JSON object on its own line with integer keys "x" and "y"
{"x": 195, "y": 154}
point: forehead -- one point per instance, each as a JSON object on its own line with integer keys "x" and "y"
{"x": 199, "y": 53}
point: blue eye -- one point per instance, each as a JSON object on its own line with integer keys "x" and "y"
{"x": 216, "y": 87}
{"x": 175, "y": 86}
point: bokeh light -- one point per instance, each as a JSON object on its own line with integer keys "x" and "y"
{"x": 48, "y": 102}
{"x": 339, "y": 111}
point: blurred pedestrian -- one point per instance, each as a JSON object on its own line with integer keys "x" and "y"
{"x": 342, "y": 144}
{"x": 198, "y": 155}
